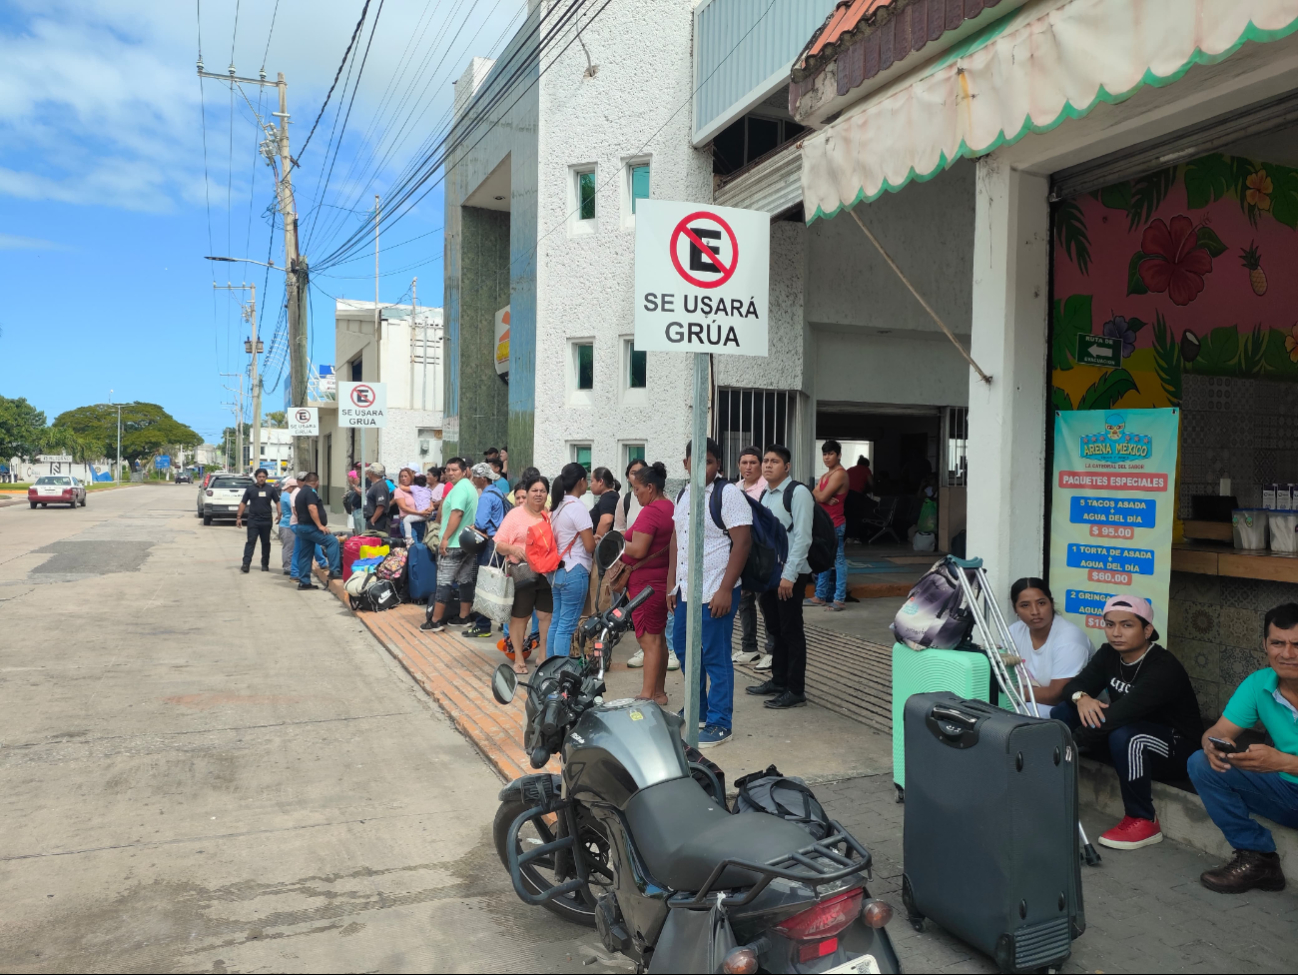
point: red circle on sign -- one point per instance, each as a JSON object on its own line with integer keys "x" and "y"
{"x": 726, "y": 272}
{"x": 303, "y": 416}
{"x": 367, "y": 395}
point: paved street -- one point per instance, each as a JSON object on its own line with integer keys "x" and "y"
{"x": 205, "y": 771}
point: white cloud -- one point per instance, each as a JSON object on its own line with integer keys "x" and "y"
{"x": 99, "y": 103}
{"x": 12, "y": 242}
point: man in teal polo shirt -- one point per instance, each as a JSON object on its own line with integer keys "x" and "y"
{"x": 1261, "y": 779}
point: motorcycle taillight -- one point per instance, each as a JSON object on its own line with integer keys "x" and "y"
{"x": 824, "y": 920}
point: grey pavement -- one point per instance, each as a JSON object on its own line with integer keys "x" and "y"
{"x": 207, "y": 771}
{"x": 1145, "y": 909}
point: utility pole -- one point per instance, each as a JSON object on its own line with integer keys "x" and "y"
{"x": 253, "y": 347}
{"x": 296, "y": 270}
{"x": 117, "y": 472}
{"x": 238, "y": 418}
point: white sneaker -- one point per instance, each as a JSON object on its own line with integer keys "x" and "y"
{"x": 744, "y": 656}
{"x": 636, "y": 659}
{"x": 764, "y": 663}
{"x": 672, "y": 662}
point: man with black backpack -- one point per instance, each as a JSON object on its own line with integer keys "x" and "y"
{"x": 782, "y": 607}
{"x": 727, "y": 526}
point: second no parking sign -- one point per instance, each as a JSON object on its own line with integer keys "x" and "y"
{"x": 702, "y": 278}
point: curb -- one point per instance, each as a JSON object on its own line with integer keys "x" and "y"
{"x": 457, "y": 675}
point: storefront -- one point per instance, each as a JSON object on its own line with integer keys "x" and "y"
{"x": 1137, "y": 184}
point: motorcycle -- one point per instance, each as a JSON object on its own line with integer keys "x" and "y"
{"x": 635, "y": 840}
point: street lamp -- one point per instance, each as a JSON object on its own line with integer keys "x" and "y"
{"x": 119, "y": 437}
{"x": 241, "y": 260}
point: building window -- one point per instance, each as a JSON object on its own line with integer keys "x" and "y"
{"x": 748, "y": 139}
{"x": 585, "y": 353}
{"x": 639, "y": 184}
{"x": 581, "y": 455}
{"x": 631, "y": 452}
{"x": 637, "y": 367}
{"x": 586, "y": 195}
{"x": 743, "y": 416}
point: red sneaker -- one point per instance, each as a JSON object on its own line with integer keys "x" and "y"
{"x": 1132, "y": 834}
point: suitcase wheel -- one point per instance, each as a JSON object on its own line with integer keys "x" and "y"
{"x": 915, "y": 918}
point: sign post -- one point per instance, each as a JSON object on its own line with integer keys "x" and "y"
{"x": 702, "y": 285}
{"x": 363, "y": 405}
{"x": 304, "y": 421}
{"x": 1114, "y": 503}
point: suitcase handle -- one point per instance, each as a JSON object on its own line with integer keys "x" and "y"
{"x": 952, "y": 727}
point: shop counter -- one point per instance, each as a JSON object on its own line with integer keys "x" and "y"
{"x": 1205, "y": 558}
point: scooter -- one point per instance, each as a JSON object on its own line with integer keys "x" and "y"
{"x": 627, "y": 840}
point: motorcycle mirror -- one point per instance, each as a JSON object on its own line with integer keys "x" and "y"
{"x": 504, "y": 684}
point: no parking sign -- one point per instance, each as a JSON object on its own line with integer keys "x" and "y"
{"x": 702, "y": 278}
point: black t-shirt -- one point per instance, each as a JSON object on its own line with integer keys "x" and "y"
{"x": 1156, "y": 688}
{"x": 605, "y": 504}
{"x": 260, "y": 502}
{"x": 306, "y": 497}
{"x": 377, "y": 495}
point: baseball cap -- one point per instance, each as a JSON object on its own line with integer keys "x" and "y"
{"x": 484, "y": 471}
{"x": 378, "y": 470}
{"x": 1132, "y": 604}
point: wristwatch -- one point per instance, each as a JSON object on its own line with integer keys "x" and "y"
{"x": 1078, "y": 695}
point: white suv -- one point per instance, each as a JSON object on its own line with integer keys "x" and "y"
{"x": 222, "y": 496}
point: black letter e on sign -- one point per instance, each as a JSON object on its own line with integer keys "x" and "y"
{"x": 697, "y": 263}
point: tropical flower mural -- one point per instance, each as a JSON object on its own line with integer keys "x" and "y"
{"x": 1146, "y": 252}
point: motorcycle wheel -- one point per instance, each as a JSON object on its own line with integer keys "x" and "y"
{"x": 578, "y": 907}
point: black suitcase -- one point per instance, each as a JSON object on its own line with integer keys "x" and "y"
{"x": 991, "y": 845}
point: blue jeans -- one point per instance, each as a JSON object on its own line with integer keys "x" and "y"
{"x": 837, "y": 575}
{"x": 1230, "y": 796}
{"x": 717, "y": 673}
{"x": 314, "y": 537}
{"x": 570, "y": 586}
{"x": 670, "y": 634}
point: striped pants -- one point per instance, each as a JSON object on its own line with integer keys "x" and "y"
{"x": 1140, "y": 752}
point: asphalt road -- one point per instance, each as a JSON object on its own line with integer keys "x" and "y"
{"x": 207, "y": 771}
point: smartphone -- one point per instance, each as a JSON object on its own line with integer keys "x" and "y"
{"x": 1229, "y": 747}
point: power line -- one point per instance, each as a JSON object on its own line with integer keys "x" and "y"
{"x": 273, "y": 14}
{"x": 346, "y": 54}
{"x": 435, "y": 159}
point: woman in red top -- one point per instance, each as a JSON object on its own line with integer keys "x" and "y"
{"x": 830, "y": 493}
{"x": 646, "y": 548}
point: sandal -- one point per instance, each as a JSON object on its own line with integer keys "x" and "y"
{"x": 524, "y": 672}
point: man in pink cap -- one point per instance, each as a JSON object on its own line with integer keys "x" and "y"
{"x": 1134, "y": 704}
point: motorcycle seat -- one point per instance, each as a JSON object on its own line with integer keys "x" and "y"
{"x": 682, "y": 834}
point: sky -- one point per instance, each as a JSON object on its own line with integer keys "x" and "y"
{"x": 119, "y": 172}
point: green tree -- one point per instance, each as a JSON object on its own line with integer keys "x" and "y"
{"x": 22, "y": 427}
{"x": 146, "y": 429}
{"x": 278, "y": 419}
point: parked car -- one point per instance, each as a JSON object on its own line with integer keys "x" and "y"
{"x": 221, "y": 497}
{"x": 202, "y": 489}
{"x": 57, "y": 489}
{"x": 184, "y": 477}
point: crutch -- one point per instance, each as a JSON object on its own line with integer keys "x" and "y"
{"x": 995, "y": 639}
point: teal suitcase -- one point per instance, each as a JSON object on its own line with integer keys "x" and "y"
{"x": 964, "y": 673}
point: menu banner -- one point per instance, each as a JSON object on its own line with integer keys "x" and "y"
{"x": 1114, "y": 499}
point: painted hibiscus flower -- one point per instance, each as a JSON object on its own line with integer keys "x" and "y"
{"x": 1291, "y": 344}
{"x": 1117, "y": 328}
{"x": 1259, "y": 190}
{"x": 1174, "y": 262}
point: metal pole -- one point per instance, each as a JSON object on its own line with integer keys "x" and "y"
{"x": 694, "y": 622}
{"x": 378, "y": 322}
{"x": 256, "y": 384}
{"x": 119, "y": 445}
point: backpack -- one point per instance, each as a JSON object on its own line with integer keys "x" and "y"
{"x": 357, "y": 583}
{"x": 541, "y": 550}
{"x": 770, "y": 542}
{"x": 785, "y": 796}
{"x": 393, "y": 566}
{"x": 824, "y": 539}
{"x": 933, "y": 615}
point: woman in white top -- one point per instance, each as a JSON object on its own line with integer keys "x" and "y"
{"x": 1053, "y": 649}
{"x": 575, "y": 539}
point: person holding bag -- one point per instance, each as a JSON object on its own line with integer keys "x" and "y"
{"x": 643, "y": 563}
{"x": 575, "y": 540}
{"x": 532, "y": 593}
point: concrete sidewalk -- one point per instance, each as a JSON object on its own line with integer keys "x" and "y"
{"x": 1145, "y": 910}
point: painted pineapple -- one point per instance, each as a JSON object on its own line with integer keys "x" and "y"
{"x": 1252, "y": 260}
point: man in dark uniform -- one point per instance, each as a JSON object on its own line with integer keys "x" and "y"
{"x": 260, "y": 502}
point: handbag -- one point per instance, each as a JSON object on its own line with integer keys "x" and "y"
{"x": 494, "y": 597}
{"x": 522, "y": 574}
{"x": 619, "y": 573}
